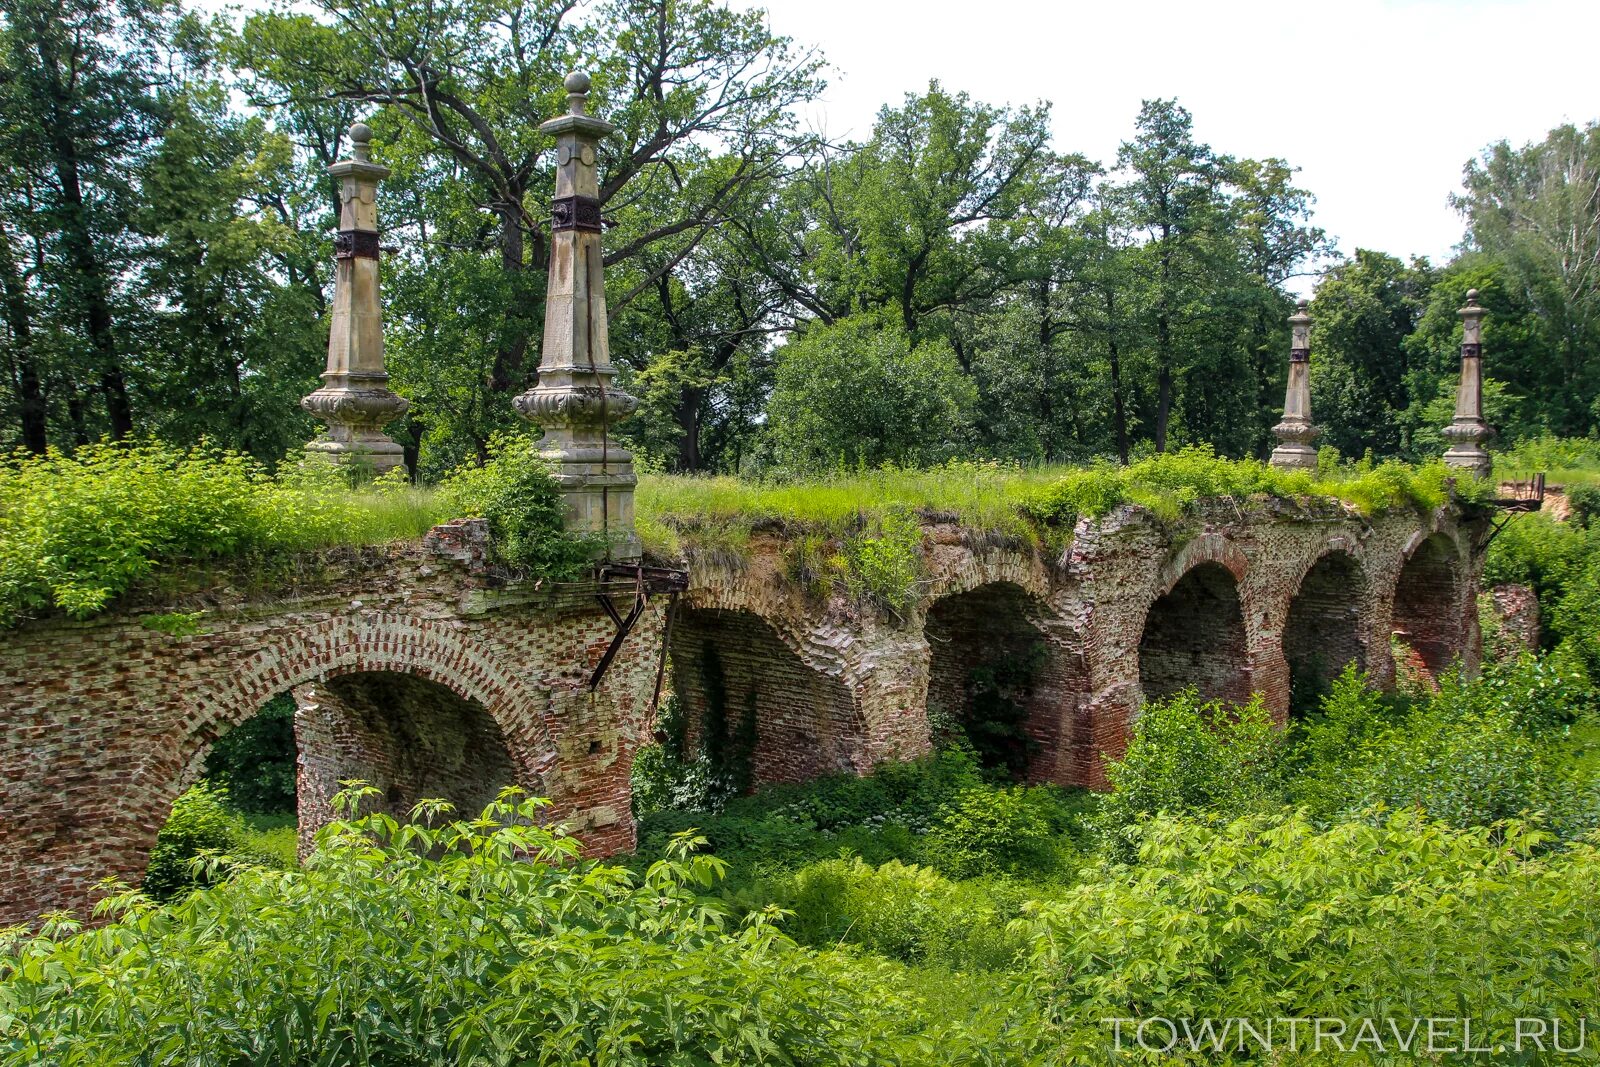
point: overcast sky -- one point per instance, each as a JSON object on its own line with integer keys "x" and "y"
{"x": 1378, "y": 102}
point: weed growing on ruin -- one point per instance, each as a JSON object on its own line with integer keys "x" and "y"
{"x": 78, "y": 531}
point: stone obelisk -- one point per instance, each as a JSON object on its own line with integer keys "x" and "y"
{"x": 355, "y": 400}
{"x": 1295, "y": 432}
{"x": 575, "y": 401}
{"x": 1467, "y": 431}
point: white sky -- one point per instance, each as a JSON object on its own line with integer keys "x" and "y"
{"x": 1378, "y": 102}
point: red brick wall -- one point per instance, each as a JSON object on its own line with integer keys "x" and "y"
{"x": 100, "y": 721}
{"x": 1194, "y": 635}
{"x": 408, "y": 737}
{"x": 1430, "y": 605}
{"x": 806, "y": 721}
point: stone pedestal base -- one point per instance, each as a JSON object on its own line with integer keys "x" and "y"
{"x": 1294, "y": 457}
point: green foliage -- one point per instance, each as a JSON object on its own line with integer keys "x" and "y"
{"x": 905, "y": 912}
{"x": 435, "y": 941}
{"x": 1167, "y": 484}
{"x": 78, "y": 531}
{"x": 1269, "y": 917}
{"x": 1473, "y": 753}
{"x": 255, "y": 761}
{"x": 174, "y": 623}
{"x": 989, "y": 830}
{"x": 996, "y": 720}
{"x": 204, "y": 824}
{"x": 861, "y": 391}
{"x": 884, "y": 562}
{"x": 525, "y": 509}
{"x": 1191, "y": 758}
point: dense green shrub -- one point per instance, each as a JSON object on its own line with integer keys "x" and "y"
{"x": 516, "y": 494}
{"x": 905, "y": 912}
{"x": 203, "y": 821}
{"x": 1168, "y": 483}
{"x": 1189, "y": 757}
{"x": 255, "y": 761}
{"x": 1270, "y": 917}
{"x": 78, "y": 531}
{"x": 988, "y": 830}
{"x": 430, "y": 942}
{"x": 863, "y": 391}
{"x": 884, "y": 561}
{"x": 1477, "y": 751}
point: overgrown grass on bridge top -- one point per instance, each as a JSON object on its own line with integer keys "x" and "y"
{"x": 76, "y": 532}
{"x": 1014, "y": 500}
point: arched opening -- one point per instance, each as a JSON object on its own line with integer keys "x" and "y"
{"x": 1427, "y": 618}
{"x": 1194, "y": 636}
{"x": 995, "y": 677}
{"x": 756, "y": 711}
{"x": 262, "y": 790}
{"x": 408, "y": 737}
{"x": 1323, "y": 633}
{"x": 237, "y": 797}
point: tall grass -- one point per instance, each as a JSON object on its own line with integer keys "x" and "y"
{"x": 1017, "y": 501}
{"x": 78, "y": 531}
{"x": 1565, "y": 461}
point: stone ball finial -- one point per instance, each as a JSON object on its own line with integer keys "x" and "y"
{"x": 361, "y": 141}
{"x": 1472, "y": 296}
{"x": 577, "y": 82}
{"x": 1302, "y": 304}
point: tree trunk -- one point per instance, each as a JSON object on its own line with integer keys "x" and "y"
{"x": 508, "y": 373}
{"x": 1119, "y": 404}
{"x": 688, "y": 419}
{"x": 1163, "y": 380}
{"x": 79, "y": 241}
{"x": 30, "y": 392}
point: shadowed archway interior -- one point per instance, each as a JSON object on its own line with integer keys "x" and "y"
{"x": 1194, "y": 636}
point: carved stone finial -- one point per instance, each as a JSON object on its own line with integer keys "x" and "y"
{"x": 354, "y": 399}
{"x": 1468, "y": 431}
{"x": 361, "y": 142}
{"x": 1295, "y": 431}
{"x": 575, "y": 401}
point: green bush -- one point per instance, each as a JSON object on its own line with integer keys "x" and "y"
{"x": 1270, "y": 917}
{"x": 255, "y": 761}
{"x": 78, "y": 531}
{"x": 884, "y": 561}
{"x": 436, "y": 942}
{"x": 905, "y": 912}
{"x": 1475, "y": 752}
{"x": 991, "y": 830}
{"x": 526, "y": 512}
{"x": 202, "y": 822}
{"x": 1188, "y": 757}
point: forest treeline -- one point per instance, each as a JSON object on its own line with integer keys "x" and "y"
{"x": 953, "y": 284}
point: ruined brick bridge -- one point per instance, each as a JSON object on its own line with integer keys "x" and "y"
{"x": 422, "y": 670}
{"x": 419, "y": 668}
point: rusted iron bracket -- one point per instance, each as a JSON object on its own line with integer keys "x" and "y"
{"x": 646, "y": 580}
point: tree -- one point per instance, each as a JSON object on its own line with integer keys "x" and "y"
{"x": 1537, "y": 210}
{"x": 861, "y": 391}
{"x": 702, "y": 98}
{"x": 1363, "y": 379}
{"x": 75, "y": 86}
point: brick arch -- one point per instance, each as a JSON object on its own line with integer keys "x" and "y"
{"x": 1196, "y": 628}
{"x": 734, "y": 661}
{"x": 376, "y": 643}
{"x": 1428, "y": 606}
{"x": 1003, "y": 633}
{"x": 1327, "y": 620}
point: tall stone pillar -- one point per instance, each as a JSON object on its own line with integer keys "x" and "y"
{"x": 1295, "y": 432}
{"x": 355, "y": 400}
{"x": 575, "y": 401}
{"x": 1467, "y": 431}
